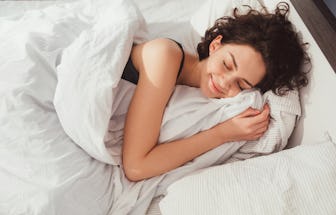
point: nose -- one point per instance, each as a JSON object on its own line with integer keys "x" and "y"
{"x": 228, "y": 85}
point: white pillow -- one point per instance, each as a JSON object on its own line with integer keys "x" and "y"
{"x": 295, "y": 181}
{"x": 209, "y": 12}
{"x": 91, "y": 68}
{"x": 206, "y": 16}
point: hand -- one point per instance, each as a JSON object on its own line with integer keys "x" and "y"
{"x": 249, "y": 125}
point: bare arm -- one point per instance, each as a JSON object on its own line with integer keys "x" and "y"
{"x": 158, "y": 63}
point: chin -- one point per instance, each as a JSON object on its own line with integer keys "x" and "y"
{"x": 206, "y": 93}
{"x": 209, "y": 94}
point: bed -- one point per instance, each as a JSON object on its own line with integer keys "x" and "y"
{"x": 47, "y": 165}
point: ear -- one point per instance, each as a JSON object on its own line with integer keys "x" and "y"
{"x": 215, "y": 44}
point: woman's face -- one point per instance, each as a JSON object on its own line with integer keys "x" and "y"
{"x": 231, "y": 68}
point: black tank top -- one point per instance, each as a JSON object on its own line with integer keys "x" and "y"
{"x": 132, "y": 75}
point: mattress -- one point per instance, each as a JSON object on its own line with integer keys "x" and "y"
{"x": 313, "y": 127}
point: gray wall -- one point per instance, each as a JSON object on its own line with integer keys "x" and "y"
{"x": 332, "y": 5}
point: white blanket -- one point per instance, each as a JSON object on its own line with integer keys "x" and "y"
{"x": 189, "y": 112}
{"x": 92, "y": 73}
{"x": 42, "y": 171}
{"x": 68, "y": 59}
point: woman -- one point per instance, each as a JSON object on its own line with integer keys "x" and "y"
{"x": 255, "y": 49}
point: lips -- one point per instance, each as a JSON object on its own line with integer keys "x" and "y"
{"x": 214, "y": 86}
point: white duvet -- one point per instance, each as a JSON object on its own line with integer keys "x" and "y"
{"x": 41, "y": 170}
{"x": 60, "y": 148}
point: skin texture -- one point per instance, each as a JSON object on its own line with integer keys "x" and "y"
{"x": 218, "y": 76}
{"x": 229, "y": 69}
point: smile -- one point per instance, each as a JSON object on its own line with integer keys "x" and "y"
{"x": 215, "y": 89}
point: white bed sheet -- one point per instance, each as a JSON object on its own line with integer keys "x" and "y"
{"x": 41, "y": 170}
{"x": 314, "y": 125}
{"x": 313, "y": 128}
{"x": 47, "y": 195}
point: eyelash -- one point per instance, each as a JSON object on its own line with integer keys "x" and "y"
{"x": 226, "y": 66}
{"x": 240, "y": 87}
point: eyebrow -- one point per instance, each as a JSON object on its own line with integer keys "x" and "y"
{"x": 236, "y": 66}
{"x": 234, "y": 60}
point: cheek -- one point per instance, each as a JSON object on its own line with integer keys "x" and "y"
{"x": 213, "y": 67}
{"x": 233, "y": 92}
{"x": 204, "y": 85}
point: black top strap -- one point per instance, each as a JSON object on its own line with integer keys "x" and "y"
{"x": 131, "y": 74}
{"x": 182, "y": 60}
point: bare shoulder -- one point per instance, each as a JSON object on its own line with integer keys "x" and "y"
{"x": 160, "y": 46}
{"x": 162, "y": 51}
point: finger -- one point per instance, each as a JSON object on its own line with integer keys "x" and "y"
{"x": 256, "y": 136}
{"x": 266, "y": 109}
{"x": 249, "y": 112}
{"x": 266, "y": 106}
{"x": 264, "y": 115}
{"x": 262, "y": 129}
{"x": 259, "y": 135}
{"x": 263, "y": 124}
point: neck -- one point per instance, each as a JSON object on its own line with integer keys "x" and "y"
{"x": 191, "y": 71}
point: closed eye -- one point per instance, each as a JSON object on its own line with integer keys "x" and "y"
{"x": 240, "y": 87}
{"x": 243, "y": 85}
{"x": 226, "y": 66}
{"x": 248, "y": 83}
{"x": 245, "y": 82}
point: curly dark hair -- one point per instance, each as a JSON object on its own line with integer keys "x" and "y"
{"x": 272, "y": 35}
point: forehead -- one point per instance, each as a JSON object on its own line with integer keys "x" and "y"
{"x": 250, "y": 64}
